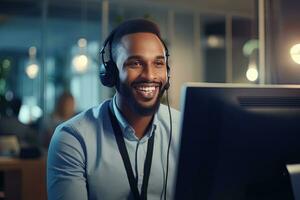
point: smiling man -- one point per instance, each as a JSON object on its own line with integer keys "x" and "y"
{"x": 143, "y": 76}
{"x": 127, "y": 147}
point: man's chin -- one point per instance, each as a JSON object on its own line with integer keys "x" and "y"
{"x": 146, "y": 110}
{"x": 137, "y": 104}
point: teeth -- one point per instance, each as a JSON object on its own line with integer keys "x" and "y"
{"x": 146, "y": 89}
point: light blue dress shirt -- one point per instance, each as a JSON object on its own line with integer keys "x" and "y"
{"x": 84, "y": 161}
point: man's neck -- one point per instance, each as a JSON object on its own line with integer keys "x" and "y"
{"x": 138, "y": 122}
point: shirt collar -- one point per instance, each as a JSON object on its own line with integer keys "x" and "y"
{"x": 127, "y": 130}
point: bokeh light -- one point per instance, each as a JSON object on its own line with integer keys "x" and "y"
{"x": 295, "y": 53}
{"x": 80, "y": 63}
{"x": 32, "y": 70}
{"x": 252, "y": 74}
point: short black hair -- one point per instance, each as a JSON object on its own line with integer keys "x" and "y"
{"x": 129, "y": 27}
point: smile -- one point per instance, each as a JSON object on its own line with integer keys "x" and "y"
{"x": 147, "y": 91}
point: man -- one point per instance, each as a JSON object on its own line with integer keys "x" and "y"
{"x": 120, "y": 149}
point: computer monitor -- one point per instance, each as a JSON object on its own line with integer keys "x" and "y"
{"x": 237, "y": 140}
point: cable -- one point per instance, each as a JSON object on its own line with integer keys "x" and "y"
{"x": 169, "y": 145}
{"x": 136, "y": 164}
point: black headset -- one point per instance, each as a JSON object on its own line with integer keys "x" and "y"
{"x": 109, "y": 73}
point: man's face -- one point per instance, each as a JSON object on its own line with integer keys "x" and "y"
{"x": 142, "y": 72}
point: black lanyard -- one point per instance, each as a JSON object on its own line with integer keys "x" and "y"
{"x": 124, "y": 153}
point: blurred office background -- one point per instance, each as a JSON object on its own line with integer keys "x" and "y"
{"x": 50, "y": 54}
{"x": 48, "y": 47}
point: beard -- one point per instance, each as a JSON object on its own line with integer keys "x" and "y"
{"x": 127, "y": 94}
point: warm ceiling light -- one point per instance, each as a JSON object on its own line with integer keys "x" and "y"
{"x": 82, "y": 43}
{"x": 295, "y": 53}
{"x": 252, "y": 74}
{"x": 32, "y": 70}
{"x": 214, "y": 41}
{"x": 32, "y": 51}
{"x": 80, "y": 63}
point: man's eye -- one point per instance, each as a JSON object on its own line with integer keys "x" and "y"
{"x": 160, "y": 63}
{"x": 134, "y": 63}
{"x": 137, "y": 63}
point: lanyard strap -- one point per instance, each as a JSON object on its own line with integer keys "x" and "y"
{"x": 124, "y": 153}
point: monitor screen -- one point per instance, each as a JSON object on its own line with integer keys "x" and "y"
{"x": 237, "y": 140}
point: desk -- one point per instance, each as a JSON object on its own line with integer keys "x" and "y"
{"x": 24, "y": 179}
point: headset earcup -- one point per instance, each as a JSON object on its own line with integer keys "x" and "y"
{"x": 108, "y": 74}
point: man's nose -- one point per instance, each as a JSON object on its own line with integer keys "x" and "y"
{"x": 149, "y": 72}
